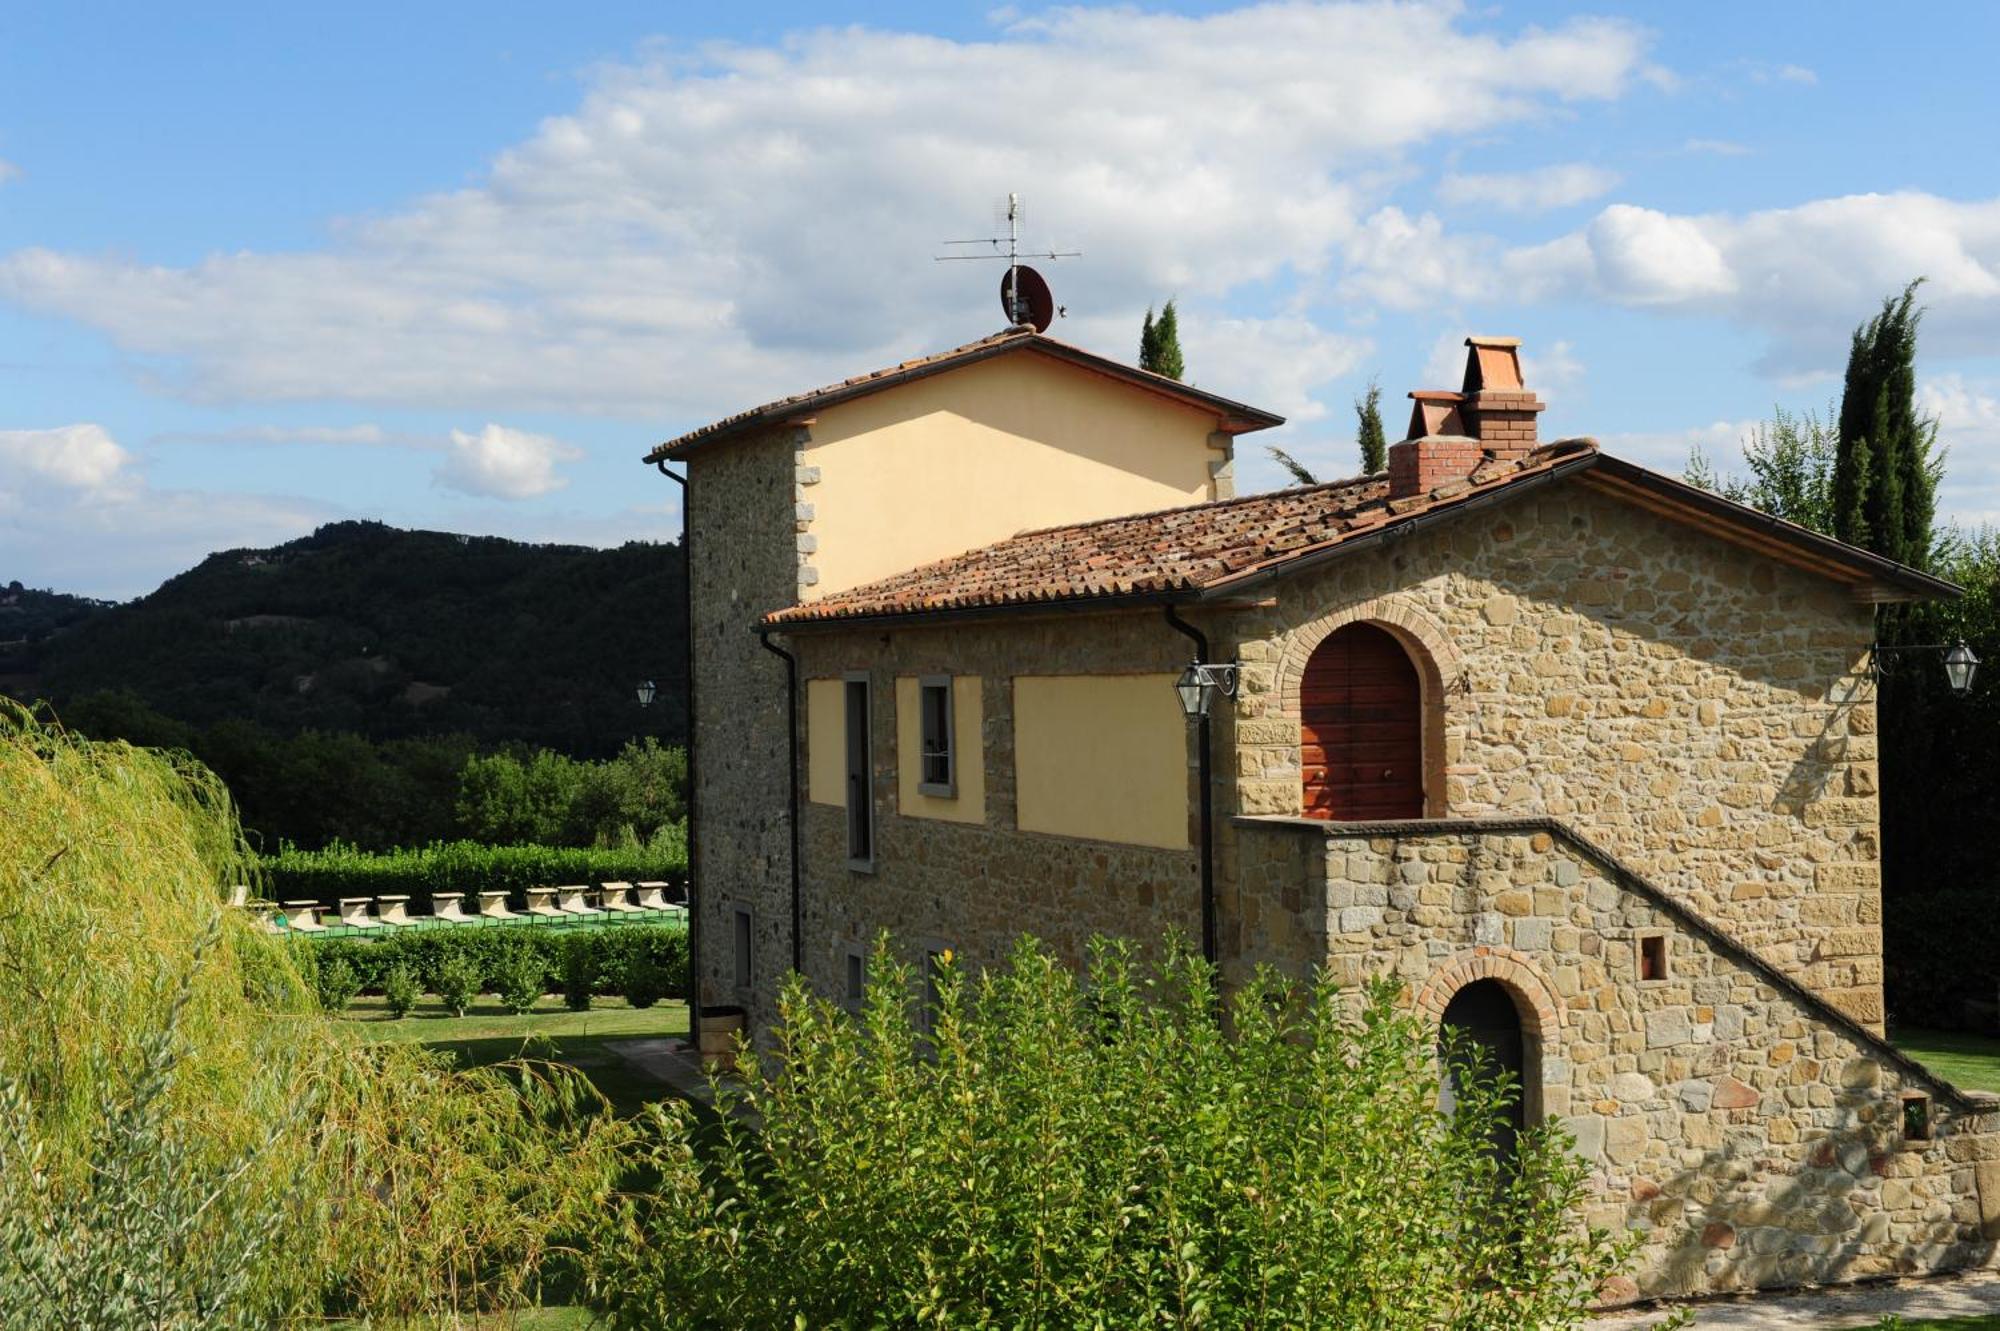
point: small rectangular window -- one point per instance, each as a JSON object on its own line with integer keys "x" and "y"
{"x": 1916, "y": 1117}
{"x": 857, "y": 980}
{"x": 934, "y": 706}
{"x": 1653, "y": 957}
{"x": 744, "y": 974}
{"x": 860, "y": 779}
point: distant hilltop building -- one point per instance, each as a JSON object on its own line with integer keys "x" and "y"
{"x": 1582, "y": 755}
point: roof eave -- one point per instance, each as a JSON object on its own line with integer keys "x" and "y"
{"x": 1232, "y": 417}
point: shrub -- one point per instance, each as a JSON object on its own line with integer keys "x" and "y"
{"x": 457, "y": 983}
{"x": 1047, "y": 1150}
{"x": 579, "y": 972}
{"x": 336, "y": 984}
{"x": 444, "y": 867}
{"x": 1939, "y": 953}
{"x": 645, "y": 983}
{"x": 399, "y": 990}
{"x": 521, "y": 979}
{"x": 602, "y": 953}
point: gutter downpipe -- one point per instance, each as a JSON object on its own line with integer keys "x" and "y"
{"x": 1205, "y": 761}
{"x": 792, "y": 771}
{"x": 694, "y": 843}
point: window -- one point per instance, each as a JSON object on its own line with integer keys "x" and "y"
{"x": 938, "y": 776}
{"x": 1916, "y": 1116}
{"x": 1653, "y": 957}
{"x": 857, "y": 980}
{"x": 744, "y": 974}
{"x": 860, "y": 779}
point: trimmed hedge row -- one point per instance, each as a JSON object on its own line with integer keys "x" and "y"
{"x": 425, "y": 872}
{"x": 1941, "y": 954}
{"x": 604, "y": 958}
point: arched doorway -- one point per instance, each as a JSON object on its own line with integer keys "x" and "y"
{"x": 1485, "y": 1014}
{"x": 1361, "y": 728}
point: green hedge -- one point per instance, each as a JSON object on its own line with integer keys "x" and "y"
{"x": 1941, "y": 954}
{"x": 607, "y": 953}
{"x": 462, "y": 866}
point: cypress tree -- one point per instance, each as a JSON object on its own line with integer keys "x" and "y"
{"x": 1149, "y": 341}
{"x": 1167, "y": 348}
{"x": 1374, "y": 445}
{"x": 1885, "y": 471}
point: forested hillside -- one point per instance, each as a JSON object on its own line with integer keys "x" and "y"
{"x": 369, "y": 630}
{"x": 340, "y": 683}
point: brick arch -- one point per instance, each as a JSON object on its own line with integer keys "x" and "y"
{"x": 1534, "y": 997}
{"x": 1431, "y": 651}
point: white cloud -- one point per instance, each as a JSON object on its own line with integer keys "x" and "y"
{"x": 1716, "y": 147}
{"x": 364, "y": 435}
{"x": 501, "y": 463}
{"x": 69, "y": 458}
{"x": 75, "y": 509}
{"x": 8, "y": 171}
{"x": 1537, "y": 191}
{"x": 715, "y": 225}
{"x": 1669, "y": 451}
{"x": 1796, "y": 74}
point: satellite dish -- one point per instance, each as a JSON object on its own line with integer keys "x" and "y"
{"x": 1032, "y": 302}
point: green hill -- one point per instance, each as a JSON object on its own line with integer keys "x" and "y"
{"x": 369, "y": 630}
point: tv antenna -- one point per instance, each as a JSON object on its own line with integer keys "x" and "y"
{"x": 1024, "y": 295}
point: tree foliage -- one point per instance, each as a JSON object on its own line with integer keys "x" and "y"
{"x": 1038, "y": 1149}
{"x": 1160, "y": 343}
{"x": 1369, "y": 437}
{"x": 184, "y": 1139}
{"x": 1885, "y": 471}
{"x": 1300, "y": 473}
{"x": 1791, "y": 464}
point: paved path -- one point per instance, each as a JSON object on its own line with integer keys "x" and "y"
{"x": 1822, "y": 1310}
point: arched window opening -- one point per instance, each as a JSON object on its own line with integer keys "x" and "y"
{"x": 1361, "y": 728}
{"x": 1489, "y": 1023}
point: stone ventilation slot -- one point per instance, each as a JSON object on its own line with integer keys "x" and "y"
{"x": 1492, "y": 415}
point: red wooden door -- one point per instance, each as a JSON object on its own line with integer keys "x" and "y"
{"x": 1361, "y": 731}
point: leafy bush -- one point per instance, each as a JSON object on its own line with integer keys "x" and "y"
{"x": 1047, "y": 1150}
{"x": 579, "y": 972}
{"x": 399, "y": 990}
{"x": 336, "y": 984}
{"x": 457, "y": 983}
{"x": 601, "y": 955}
{"x": 466, "y": 866}
{"x": 521, "y": 979}
{"x": 645, "y": 983}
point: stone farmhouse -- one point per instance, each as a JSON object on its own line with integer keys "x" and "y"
{"x": 1583, "y": 755}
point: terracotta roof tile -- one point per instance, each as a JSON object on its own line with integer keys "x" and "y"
{"x": 1179, "y": 549}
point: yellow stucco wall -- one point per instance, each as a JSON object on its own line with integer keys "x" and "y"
{"x": 1101, "y": 756}
{"x": 974, "y": 455}
{"x": 826, "y": 742}
{"x": 968, "y": 757}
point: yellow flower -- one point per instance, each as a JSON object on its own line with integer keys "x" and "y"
{"x": 945, "y": 956}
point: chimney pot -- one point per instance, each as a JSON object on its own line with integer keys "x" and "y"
{"x": 1450, "y": 434}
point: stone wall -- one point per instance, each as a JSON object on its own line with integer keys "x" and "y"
{"x": 1750, "y": 1135}
{"x": 1702, "y": 710}
{"x": 977, "y": 887}
{"x": 742, "y": 525}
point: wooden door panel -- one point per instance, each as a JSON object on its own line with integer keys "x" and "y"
{"x": 1361, "y": 728}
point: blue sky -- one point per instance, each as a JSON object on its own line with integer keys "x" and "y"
{"x": 457, "y": 266}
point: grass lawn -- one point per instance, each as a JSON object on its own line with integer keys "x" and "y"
{"x": 1969, "y": 1062}
{"x": 490, "y": 1034}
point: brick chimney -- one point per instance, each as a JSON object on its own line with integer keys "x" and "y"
{"x": 1450, "y": 434}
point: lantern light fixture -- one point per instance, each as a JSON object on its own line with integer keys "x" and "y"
{"x": 1961, "y": 667}
{"x": 1199, "y": 684}
{"x": 647, "y": 692}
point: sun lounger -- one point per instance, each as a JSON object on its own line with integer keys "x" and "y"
{"x": 303, "y": 916}
{"x": 239, "y": 895}
{"x": 392, "y": 910}
{"x": 618, "y": 897}
{"x": 541, "y": 901}
{"x": 575, "y": 900}
{"x": 653, "y": 896}
{"x": 354, "y": 913}
{"x": 493, "y": 905}
{"x": 450, "y": 908}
